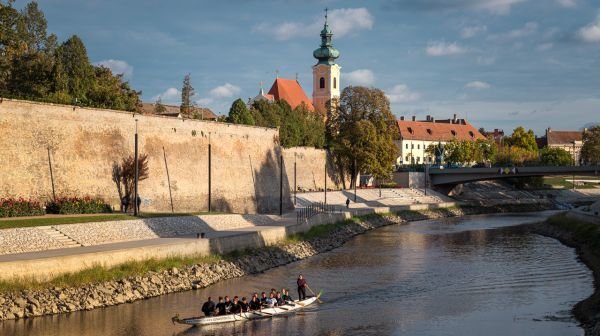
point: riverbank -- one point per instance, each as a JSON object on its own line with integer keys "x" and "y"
{"x": 585, "y": 238}
{"x": 128, "y": 283}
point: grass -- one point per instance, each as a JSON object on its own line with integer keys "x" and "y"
{"x": 100, "y": 274}
{"x": 43, "y": 220}
{"x": 586, "y": 233}
{"x": 565, "y": 182}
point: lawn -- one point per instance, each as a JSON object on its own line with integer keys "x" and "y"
{"x": 565, "y": 182}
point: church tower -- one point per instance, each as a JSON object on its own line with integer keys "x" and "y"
{"x": 326, "y": 73}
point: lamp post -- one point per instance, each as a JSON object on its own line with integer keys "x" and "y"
{"x": 573, "y": 164}
{"x": 135, "y": 183}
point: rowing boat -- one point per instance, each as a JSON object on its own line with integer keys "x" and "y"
{"x": 252, "y": 315}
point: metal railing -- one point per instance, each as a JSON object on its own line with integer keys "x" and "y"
{"x": 316, "y": 208}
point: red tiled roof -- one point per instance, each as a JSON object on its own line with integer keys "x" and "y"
{"x": 290, "y": 91}
{"x": 433, "y": 131}
{"x": 173, "y": 111}
{"x": 563, "y": 137}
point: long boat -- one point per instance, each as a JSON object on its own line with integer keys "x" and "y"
{"x": 251, "y": 315}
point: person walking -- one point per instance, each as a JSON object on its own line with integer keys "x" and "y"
{"x": 138, "y": 202}
{"x": 301, "y": 282}
{"x": 347, "y": 203}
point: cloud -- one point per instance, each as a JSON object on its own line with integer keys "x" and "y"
{"x": 441, "y": 48}
{"x": 204, "y": 101}
{"x": 472, "y": 31}
{"x": 590, "y": 33}
{"x": 492, "y": 6}
{"x": 483, "y": 60}
{"x": 545, "y": 46}
{"x": 567, "y": 3}
{"x": 170, "y": 95}
{"x": 342, "y": 21}
{"x": 117, "y": 67}
{"x": 225, "y": 91}
{"x": 402, "y": 94}
{"x": 528, "y": 29}
{"x": 477, "y": 85}
{"x": 360, "y": 77}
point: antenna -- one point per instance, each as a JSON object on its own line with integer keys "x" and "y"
{"x": 326, "y": 9}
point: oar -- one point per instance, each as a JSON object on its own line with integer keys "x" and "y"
{"x": 313, "y": 293}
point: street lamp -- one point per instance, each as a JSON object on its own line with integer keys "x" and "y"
{"x": 135, "y": 194}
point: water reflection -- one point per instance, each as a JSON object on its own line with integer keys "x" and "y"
{"x": 437, "y": 277}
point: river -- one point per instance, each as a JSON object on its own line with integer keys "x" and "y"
{"x": 479, "y": 275}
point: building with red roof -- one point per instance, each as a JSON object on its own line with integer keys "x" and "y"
{"x": 416, "y": 136}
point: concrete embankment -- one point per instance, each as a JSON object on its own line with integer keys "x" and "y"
{"x": 55, "y": 300}
{"x": 574, "y": 231}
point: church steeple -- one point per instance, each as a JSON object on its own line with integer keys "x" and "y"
{"x": 326, "y": 73}
{"x": 326, "y": 53}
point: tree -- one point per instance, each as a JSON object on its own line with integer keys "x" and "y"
{"x": 76, "y": 69}
{"x": 159, "y": 107}
{"x": 187, "y": 92}
{"x": 523, "y": 139}
{"x": 554, "y": 156}
{"x": 123, "y": 175}
{"x": 361, "y": 133}
{"x": 239, "y": 114}
{"x": 590, "y": 152}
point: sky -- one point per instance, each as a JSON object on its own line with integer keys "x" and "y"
{"x": 498, "y": 63}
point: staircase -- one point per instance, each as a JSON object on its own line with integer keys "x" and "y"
{"x": 56, "y": 235}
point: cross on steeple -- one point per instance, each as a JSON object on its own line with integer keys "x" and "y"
{"x": 276, "y": 73}
{"x": 326, "y": 9}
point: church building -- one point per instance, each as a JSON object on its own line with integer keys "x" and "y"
{"x": 326, "y": 79}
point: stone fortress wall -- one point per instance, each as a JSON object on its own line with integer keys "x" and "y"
{"x": 83, "y": 144}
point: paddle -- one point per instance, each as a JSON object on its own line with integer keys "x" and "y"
{"x": 313, "y": 293}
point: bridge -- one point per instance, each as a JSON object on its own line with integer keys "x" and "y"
{"x": 450, "y": 177}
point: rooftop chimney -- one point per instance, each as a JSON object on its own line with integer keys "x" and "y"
{"x": 402, "y": 118}
{"x": 414, "y": 118}
{"x": 454, "y": 119}
{"x": 432, "y": 119}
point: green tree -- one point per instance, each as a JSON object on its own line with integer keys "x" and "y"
{"x": 187, "y": 92}
{"x": 590, "y": 152}
{"x": 33, "y": 27}
{"x": 361, "y": 133}
{"x": 523, "y": 139}
{"x": 239, "y": 114}
{"x": 554, "y": 156}
{"x": 159, "y": 107}
{"x": 77, "y": 72}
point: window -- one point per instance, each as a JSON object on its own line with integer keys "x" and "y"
{"x": 418, "y": 159}
{"x": 418, "y": 146}
{"x": 334, "y": 82}
{"x": 322, "y": 83}
{"x": 412, "y": 146}
{"x": 407, "y": 146}
{"x": 453, "y": 132}
{"x": 409, "y": 130}
{"x": 471, "y": 134}
{"x": 429, "y": 131}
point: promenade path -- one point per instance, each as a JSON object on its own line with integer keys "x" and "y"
{"x": 71, "y": 240}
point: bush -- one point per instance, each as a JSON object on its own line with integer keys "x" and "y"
{"x": 76, "y": 205}
{"x": 10, "y": 207}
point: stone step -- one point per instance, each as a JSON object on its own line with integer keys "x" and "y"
{"x": 53, "y": 233}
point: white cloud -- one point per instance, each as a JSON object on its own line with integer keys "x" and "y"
{"x": 441, "y": 48}
{"x": 170, "y": 95}
{"x": 472, "y": 31}
{"x": 483, "y": 60}
{"x": 117, "y": 67}
{"x": 528, "y": 29}
{"x": 493, "y": 6}
{"x": 225, "y": 91}
{"x": 204, "y": 101}
{"x": 401, "y": 93}
{"x": 545, "y": 46}
{"x": 567, "y": 3}
{"x": 360, "y": 77}
{"x": 590, "y": 33}
{"x": 342, "y": 21}
{"x": 477, "y": 85}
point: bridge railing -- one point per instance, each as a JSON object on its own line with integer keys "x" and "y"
{"x": 303, "y": 215}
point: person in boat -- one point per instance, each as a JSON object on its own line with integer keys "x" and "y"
{"x": 244, "y": 304}
{"x": 264, "y": 299}
{"x": 255, "y": 302}
{"x": 228, "y": 304}
{"x": 286, "y": 296}
{"x": 220, "y": 308}
{"x": 208, "y": 308}
{"x": 271, "y": 301}
{"x": 301, "y": 282}
{"x": 236, "y": 308}
{"x": 279, "y": 299}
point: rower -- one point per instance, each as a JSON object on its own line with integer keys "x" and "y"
{"x": 208, "y": 308}
{"x": 255, "y": 302}
{"x": 227, "y": 305}
{"x": 286, "y": 296}
{"x": 301, "y": 287}
{"x": 271, "y": 301}
{"x": 236, "y": 308}
{"x": 244, "y": 304}
{"x": 280, "y": 300}
{"x": 220, "y": 307}
{"x": 264, "y": 299}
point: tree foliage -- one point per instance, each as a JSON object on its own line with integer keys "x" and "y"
{"x": 35, "y": 66}
{"x": 239, "y": 113}
{"x": 590, "y": 152}
{"x": 465, "y": 152}
{"x": 361, "y": 130}
{"x": 522, "y": 139}
{"x": 187, "y": 92}
{"x": 123, "y": 175}
{"x": 553, "y": 156}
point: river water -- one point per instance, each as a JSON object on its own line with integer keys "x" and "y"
{"x": 479, "y": 275}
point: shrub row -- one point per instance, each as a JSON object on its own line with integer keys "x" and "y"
{"x": 11, "y": 207}
{"x": 76, "y": 205}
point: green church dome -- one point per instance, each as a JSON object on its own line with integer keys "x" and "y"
{"x": 326, "y": 54}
